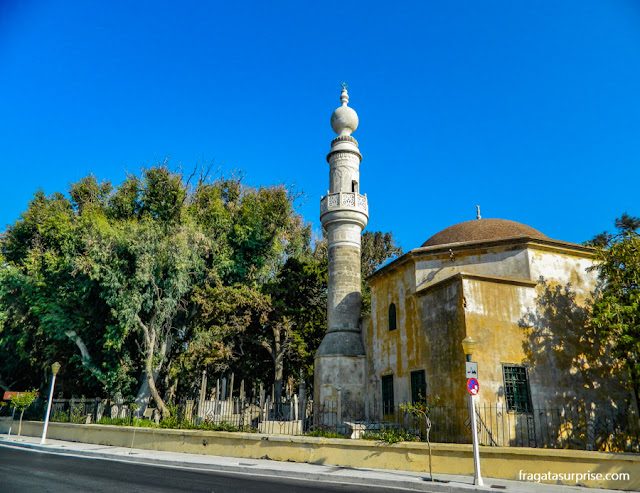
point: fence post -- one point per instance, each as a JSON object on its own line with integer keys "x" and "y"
{"x": 302, "y": 404}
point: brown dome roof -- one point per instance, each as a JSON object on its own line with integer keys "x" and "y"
{"x": 482, "y": 230}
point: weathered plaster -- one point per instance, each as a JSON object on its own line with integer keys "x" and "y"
{"x": 498, "y": 293}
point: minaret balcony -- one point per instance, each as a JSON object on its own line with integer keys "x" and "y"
{"x": 347, "y": 201}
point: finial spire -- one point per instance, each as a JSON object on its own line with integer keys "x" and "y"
{"x": 344, "y": 120}
{"x": 344, "y": 96}
{"x": 478, "y": 216}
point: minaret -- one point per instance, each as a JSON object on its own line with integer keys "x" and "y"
{"x": 339, "y": 372}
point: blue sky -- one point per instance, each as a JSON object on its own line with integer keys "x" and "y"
{"x": 529, "y": 109}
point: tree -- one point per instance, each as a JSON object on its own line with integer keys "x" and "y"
{"x": 248, "y": 305}
{"x": 49, "y": 310}
{"x": 422, "y": 410}
{"x": 21, "y": 402}
{"x": 378, "y": 248}
{"x": 138, "y": 288}
{"x": 616, "y": 309}
{"x": 296, "y": 320}
{"x": 148, "y": 270}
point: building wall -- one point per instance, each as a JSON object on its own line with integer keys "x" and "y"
{"x": 503, "y": 261}
{"x": 441, "y": 330}
{"x": 564, "y": 268}
{"x": 524, "y": 305}
{"x": 494, "y": 310}
{"x": 392, "y": 352}
{"x": 568, "y": 364}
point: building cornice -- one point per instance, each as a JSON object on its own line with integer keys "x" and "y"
{"x": 475, "y": 277}
{"x": 550, "y": 245}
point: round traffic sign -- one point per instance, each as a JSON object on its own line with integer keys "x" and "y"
{"x": 473, "y": 386}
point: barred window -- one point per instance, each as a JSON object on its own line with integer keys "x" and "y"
{"x": 387, "y": 394}
{"x": 418, "y": 386}
{"x": 392, "y": 316}
{"x": 516, "y": 388}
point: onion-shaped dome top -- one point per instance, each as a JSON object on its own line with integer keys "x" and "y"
{"x": 344, "y": 120}
{"x": 483, "y": 230}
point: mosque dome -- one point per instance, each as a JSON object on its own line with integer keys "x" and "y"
{"x": 483, "y": 230}
{"x": 344, "y": 120}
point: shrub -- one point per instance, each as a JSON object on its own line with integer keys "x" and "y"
{"x": 325, "y": 434}
{"x": 391, "y": 435}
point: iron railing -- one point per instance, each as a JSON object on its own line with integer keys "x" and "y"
{"x": 593, "y": 427}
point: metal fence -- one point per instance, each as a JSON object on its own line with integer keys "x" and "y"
{"x": 288, "y": 417}
{"x": 596, "y": 427}
{"x": 603, "y": 428}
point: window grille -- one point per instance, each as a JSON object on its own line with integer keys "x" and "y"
{"x": 516, "y": 389}
{"x": 418, "y": 386}
{"x": 387, "y": 394}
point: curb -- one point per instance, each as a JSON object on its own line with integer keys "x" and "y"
{"x": 419, "y": 484}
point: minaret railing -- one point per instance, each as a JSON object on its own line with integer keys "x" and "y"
{"x": 344, "y": 200}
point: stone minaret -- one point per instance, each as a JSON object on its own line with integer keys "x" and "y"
{"x": 340, "y": 360}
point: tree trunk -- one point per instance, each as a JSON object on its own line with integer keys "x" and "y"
{"x": 151, "y": 372}
{"x": 278, "y": 368}
{"x": 20, "y": 425}
{"x": 86, "y": 357}
{"x": 172, "y": 386}
{"x": 278, "y": 375}
{"x": 427, "y": 427}
{"x": 636, "y": 388}
{"x": 144, "y": 392}
{"x": 5, "y": 386}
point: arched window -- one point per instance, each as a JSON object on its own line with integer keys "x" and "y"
{"x": 392, "y": 316}
{"x": 354, "y": 186}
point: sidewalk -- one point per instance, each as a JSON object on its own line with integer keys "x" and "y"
{"x": 373, "y": 477}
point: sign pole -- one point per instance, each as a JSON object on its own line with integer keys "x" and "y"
{"x": 54, "y": 369}
{"x": 477, "y": 478}
{"x": 473, "y": 387}
{"x": 13, "y": 413}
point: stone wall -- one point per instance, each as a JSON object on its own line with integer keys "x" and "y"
{"x": 496, "y": 462}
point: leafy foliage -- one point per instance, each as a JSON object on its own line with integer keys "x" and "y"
{"x": 22, "y": 400}
{"x": 137, "y": 288}
{"x": 325, "y": 434}
{"x": 391, "y": 435}
{"x": 616, "y": 309}
{"x": 377, "y": 249}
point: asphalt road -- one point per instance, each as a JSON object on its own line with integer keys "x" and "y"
{"x": 32, "y": 471}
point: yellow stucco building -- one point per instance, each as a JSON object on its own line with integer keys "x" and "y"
{"x": 519, "y": 294}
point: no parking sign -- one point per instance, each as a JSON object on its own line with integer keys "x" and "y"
{"x": 473, "y": 386}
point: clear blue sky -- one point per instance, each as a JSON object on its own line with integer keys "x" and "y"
{"x": 530, "y": 109}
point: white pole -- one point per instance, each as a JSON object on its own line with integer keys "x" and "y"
{"x": 46, "y": 419}
{"x": 477, "y": 479}
{"x": 11, "y": 425}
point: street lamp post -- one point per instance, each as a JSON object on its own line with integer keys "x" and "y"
{"x": 468, "y": 345}
{"x": 55, "y": 368}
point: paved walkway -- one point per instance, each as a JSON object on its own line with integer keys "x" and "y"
{"x": 366, "y": 477}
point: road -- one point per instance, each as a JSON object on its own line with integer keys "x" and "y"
{"x": 32, "y": 471}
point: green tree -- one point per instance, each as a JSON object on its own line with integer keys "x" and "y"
{"x": 49, "y": 310}
{"x": 247, "y": 304}
{"x": 21, "y": 402}
{"x": 378, "y": 248}
{"x": 138, "y": 288}
{"x": 616, "y": 308}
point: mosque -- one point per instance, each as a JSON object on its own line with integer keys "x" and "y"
{"x": 519, "y": 294}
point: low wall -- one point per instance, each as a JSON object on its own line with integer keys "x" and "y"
{"x": 496, "y": 462}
